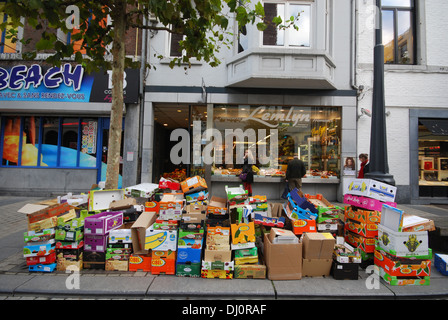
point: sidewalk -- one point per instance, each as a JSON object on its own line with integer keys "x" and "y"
{"x": 16, "y": 281}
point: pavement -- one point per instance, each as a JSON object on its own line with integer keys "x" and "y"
{"x": 17, "y": 283}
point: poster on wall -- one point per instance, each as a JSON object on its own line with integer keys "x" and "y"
{"x": 349, "y": 167}
{"x": 68, "y": 83}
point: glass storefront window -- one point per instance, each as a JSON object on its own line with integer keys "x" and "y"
{"x": 49, "y": 141}
{"x": 433, "y": 157}
{"x": 274, "y": 134}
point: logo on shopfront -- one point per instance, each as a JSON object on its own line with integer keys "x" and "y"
{"x": 294, "y": 116}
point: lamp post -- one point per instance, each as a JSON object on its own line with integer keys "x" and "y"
{"x": 378, "y": 167}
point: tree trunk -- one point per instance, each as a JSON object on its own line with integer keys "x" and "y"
{"x": 116, "y": 112}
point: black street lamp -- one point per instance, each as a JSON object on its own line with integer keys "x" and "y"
{"x": 378, "y": 167}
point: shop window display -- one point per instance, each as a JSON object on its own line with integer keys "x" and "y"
{"x": 275, "y": 134}
{"x": 433, "y": 157}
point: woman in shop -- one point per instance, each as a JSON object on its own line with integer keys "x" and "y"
{"x": 247, "y": 175}
{"x": 364, "y": 168}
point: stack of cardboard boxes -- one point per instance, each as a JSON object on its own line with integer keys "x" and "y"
{"x": 70, "y": 241}
{"x": 402, "y": 255}
{"x": 40, "y": 249}
{"x": 328, "y": 215}
{"x": 119, "y": 248}
{"x": 96, "y": 235}
{"x": 366, "y": 197}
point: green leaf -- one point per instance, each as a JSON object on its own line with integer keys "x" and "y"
{"x": 44, "y": 44}
{"x": 261, "y": 26}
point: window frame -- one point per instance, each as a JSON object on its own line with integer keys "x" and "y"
{"x": 287, "y": 43}
{"x": 412, "y": 9}
{"x": 40, "y": 119}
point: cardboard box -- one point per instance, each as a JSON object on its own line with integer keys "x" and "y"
{"x": 140, "y": 262}
{"x": 301, "y": 226}
{"x": 138, "y": 231}
{"x": 217, "y": 206}
{"x": 74, "y": 200}
{"x": 364, "y": 216}
{"x": 39, "y": 249}
{"x": 318, "y": 245}
{"x": 283, "y": 261}
{"x": 163, "y": 262}
{"x": 101, "y": 199}
{"x": 416, "y": 223}
{"x": 269, "y": 221}
{"x": 316, "y": 267}
{"x": 367, "y": 245}
{"x": 117, "y": 265}
{"x": 168, "y": 183}
{"x": 117, "y": 205}
{"x": 192, "y": 270}
{"x": 102, "y": 223}
{"x": 404, "y": 280}
{"x": 43, "y": 224}
{"x": 366, "y": 203}
{"x": 122, "y": 235}
{"x": 196, "y": 196}
{"x": 161, "y": 240}
{"x": 94, "y": 260}
{"x": 368, "y": 230}
{"x": 399, "y": 267}
{"x": 250, "y": 271}
{"x": 403, "y": 244}
{"x": 70, "y": 254}
{"x": 40, "y": 211}
{"x": 236, "y": 195}
{"x": 50, "y": 258}
{"x": 370, "y": 188}
{"x": 63, "y": 265}
{"x": 218, "y": 265}
{"x": 96, "y": 243}
{"x": 69, "y": 235}
{"x": 142, "y": 190}
{"x": 69, "y": 244}
{"x": 243, "y": 232}
{"x": 213, "y": 274}
{"x": 193, "y": 184}
{"x": 277, "y": 235}
{"x": 39, "y": 236}
{"x": 152, "y": 206}
{"x": 171, "y": 206}
{"x": 217, "y": 255}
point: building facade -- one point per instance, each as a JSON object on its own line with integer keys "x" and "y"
{"x": 416, "y": 78}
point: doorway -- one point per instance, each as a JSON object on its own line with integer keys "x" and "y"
{"x": 168, "y": 117}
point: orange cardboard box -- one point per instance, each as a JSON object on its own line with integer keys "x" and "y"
{"x": 140, "y": 262}
{"x": 365, "y": 244}
{"x": 301, "y": 226}
{"x": 163, "y": 262}
{"x": 193, "y": 184}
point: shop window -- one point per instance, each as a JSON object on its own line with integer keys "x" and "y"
{"x": 433, "y": 157}
{"x": 6, "y": 44}
{"x": 175, "y": 50}
{"x": 274, "y": 135}
{"x": 298, "y": 36}
{"x": 49, "y": 142}
{"x": 398, "y": 18}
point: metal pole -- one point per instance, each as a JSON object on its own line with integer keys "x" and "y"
{"x": 378, "y": 167}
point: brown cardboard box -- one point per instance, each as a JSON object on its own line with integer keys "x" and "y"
{"x": 284, "y": 261}
{"x": 138, "y": 231}
{"x": 217, "y": 205}
{"x": 316, "y": 267}
{"x": 318, "y": 245}
{"x": 122, "y": 204}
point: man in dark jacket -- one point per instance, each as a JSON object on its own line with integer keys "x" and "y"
{"x": 294, "y": 173}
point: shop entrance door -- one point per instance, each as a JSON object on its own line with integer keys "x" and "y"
{"x": 168, "y": 117}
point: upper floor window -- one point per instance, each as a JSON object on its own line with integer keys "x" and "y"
{"x": 398, "y": 31}
{"x": 289, "y": 37}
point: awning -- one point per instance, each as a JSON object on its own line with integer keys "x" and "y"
{"x": 438, "y": 127}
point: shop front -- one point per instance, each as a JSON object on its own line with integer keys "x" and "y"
{"x": 218, "y": 135}
{"x": 429, "y": 156}
{"x": 54, "y": 128}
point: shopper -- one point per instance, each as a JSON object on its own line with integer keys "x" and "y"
{"x": 364, "y": 168}
{"x": 247, "y": 172}
{"x": 295, "y": 172}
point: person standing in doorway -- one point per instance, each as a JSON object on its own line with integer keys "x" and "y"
{"x": 294, "y": 173}
{"x": 364, "y": 168}
{"x": 247, "y": 169}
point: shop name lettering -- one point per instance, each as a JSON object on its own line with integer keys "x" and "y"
{"x": 260, "y": 115}
{"x": 22, "y": 76}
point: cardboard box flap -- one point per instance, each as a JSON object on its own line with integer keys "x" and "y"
{"x": 138, "y": 231}
{"x": 391, "y": 218}
{"x": 30, "y": 208}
